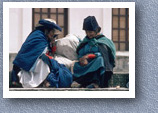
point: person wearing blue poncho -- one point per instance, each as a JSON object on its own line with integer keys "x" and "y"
{"x": 96, "y": 54}
{"x": 32, "y": 65}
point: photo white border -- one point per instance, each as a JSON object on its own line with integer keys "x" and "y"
{"x": 68, "y": 94}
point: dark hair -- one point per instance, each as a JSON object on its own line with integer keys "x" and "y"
{"x": 45, "y": 30}
{"x": 98, "y": 30}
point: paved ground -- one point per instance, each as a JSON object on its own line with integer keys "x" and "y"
{"x": 69, "y": 89}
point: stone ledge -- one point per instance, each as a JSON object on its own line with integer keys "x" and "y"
{"x": 121, "y": 73}
{"x": 69, "y": 89}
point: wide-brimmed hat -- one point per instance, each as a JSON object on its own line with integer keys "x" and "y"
{"x": 50, "y": 24}
{"x": 90, "y": 23}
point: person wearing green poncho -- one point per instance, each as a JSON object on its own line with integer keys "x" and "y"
{"x": 96, "y": 55}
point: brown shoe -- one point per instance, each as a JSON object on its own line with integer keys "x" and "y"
{"x": 75, "y": 85}
{"x": 46, "y": 84}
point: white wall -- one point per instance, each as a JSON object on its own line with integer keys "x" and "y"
{"x": 15, "y": 31}
{"x": 107, "y": 22}
{"x": 20, "y": 25}
{"x": 77, "y": 15}
{"x": 27, "y": 22}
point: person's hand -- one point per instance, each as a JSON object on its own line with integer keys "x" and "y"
{"x": 83, "y": 60}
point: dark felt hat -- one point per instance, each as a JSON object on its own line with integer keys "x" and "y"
{"x": 51, "y": 24}
{"x": 90, "y": 23}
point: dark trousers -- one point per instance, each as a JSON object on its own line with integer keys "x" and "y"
{"x": 15, "y": 71}
{"x": 88, "y": 79}
{"x": 13, "y": 77}
{"x": 105, "y": 79}
{"x": 94, "y": 77}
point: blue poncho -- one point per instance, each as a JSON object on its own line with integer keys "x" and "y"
{"x": 31, "y": 49}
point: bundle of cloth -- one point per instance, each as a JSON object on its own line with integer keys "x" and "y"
{"x": 66, "y": 50}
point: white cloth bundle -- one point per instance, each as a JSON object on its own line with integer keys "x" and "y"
{"x": 67, "y": 46}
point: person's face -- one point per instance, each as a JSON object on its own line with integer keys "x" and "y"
{"x": 51, "y": 35}
{"x": 91, "y": 34}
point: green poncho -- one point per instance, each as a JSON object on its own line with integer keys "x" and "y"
{"x": 100, "y": 39}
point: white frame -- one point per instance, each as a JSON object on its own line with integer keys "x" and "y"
{"x": 69, "y": 94}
